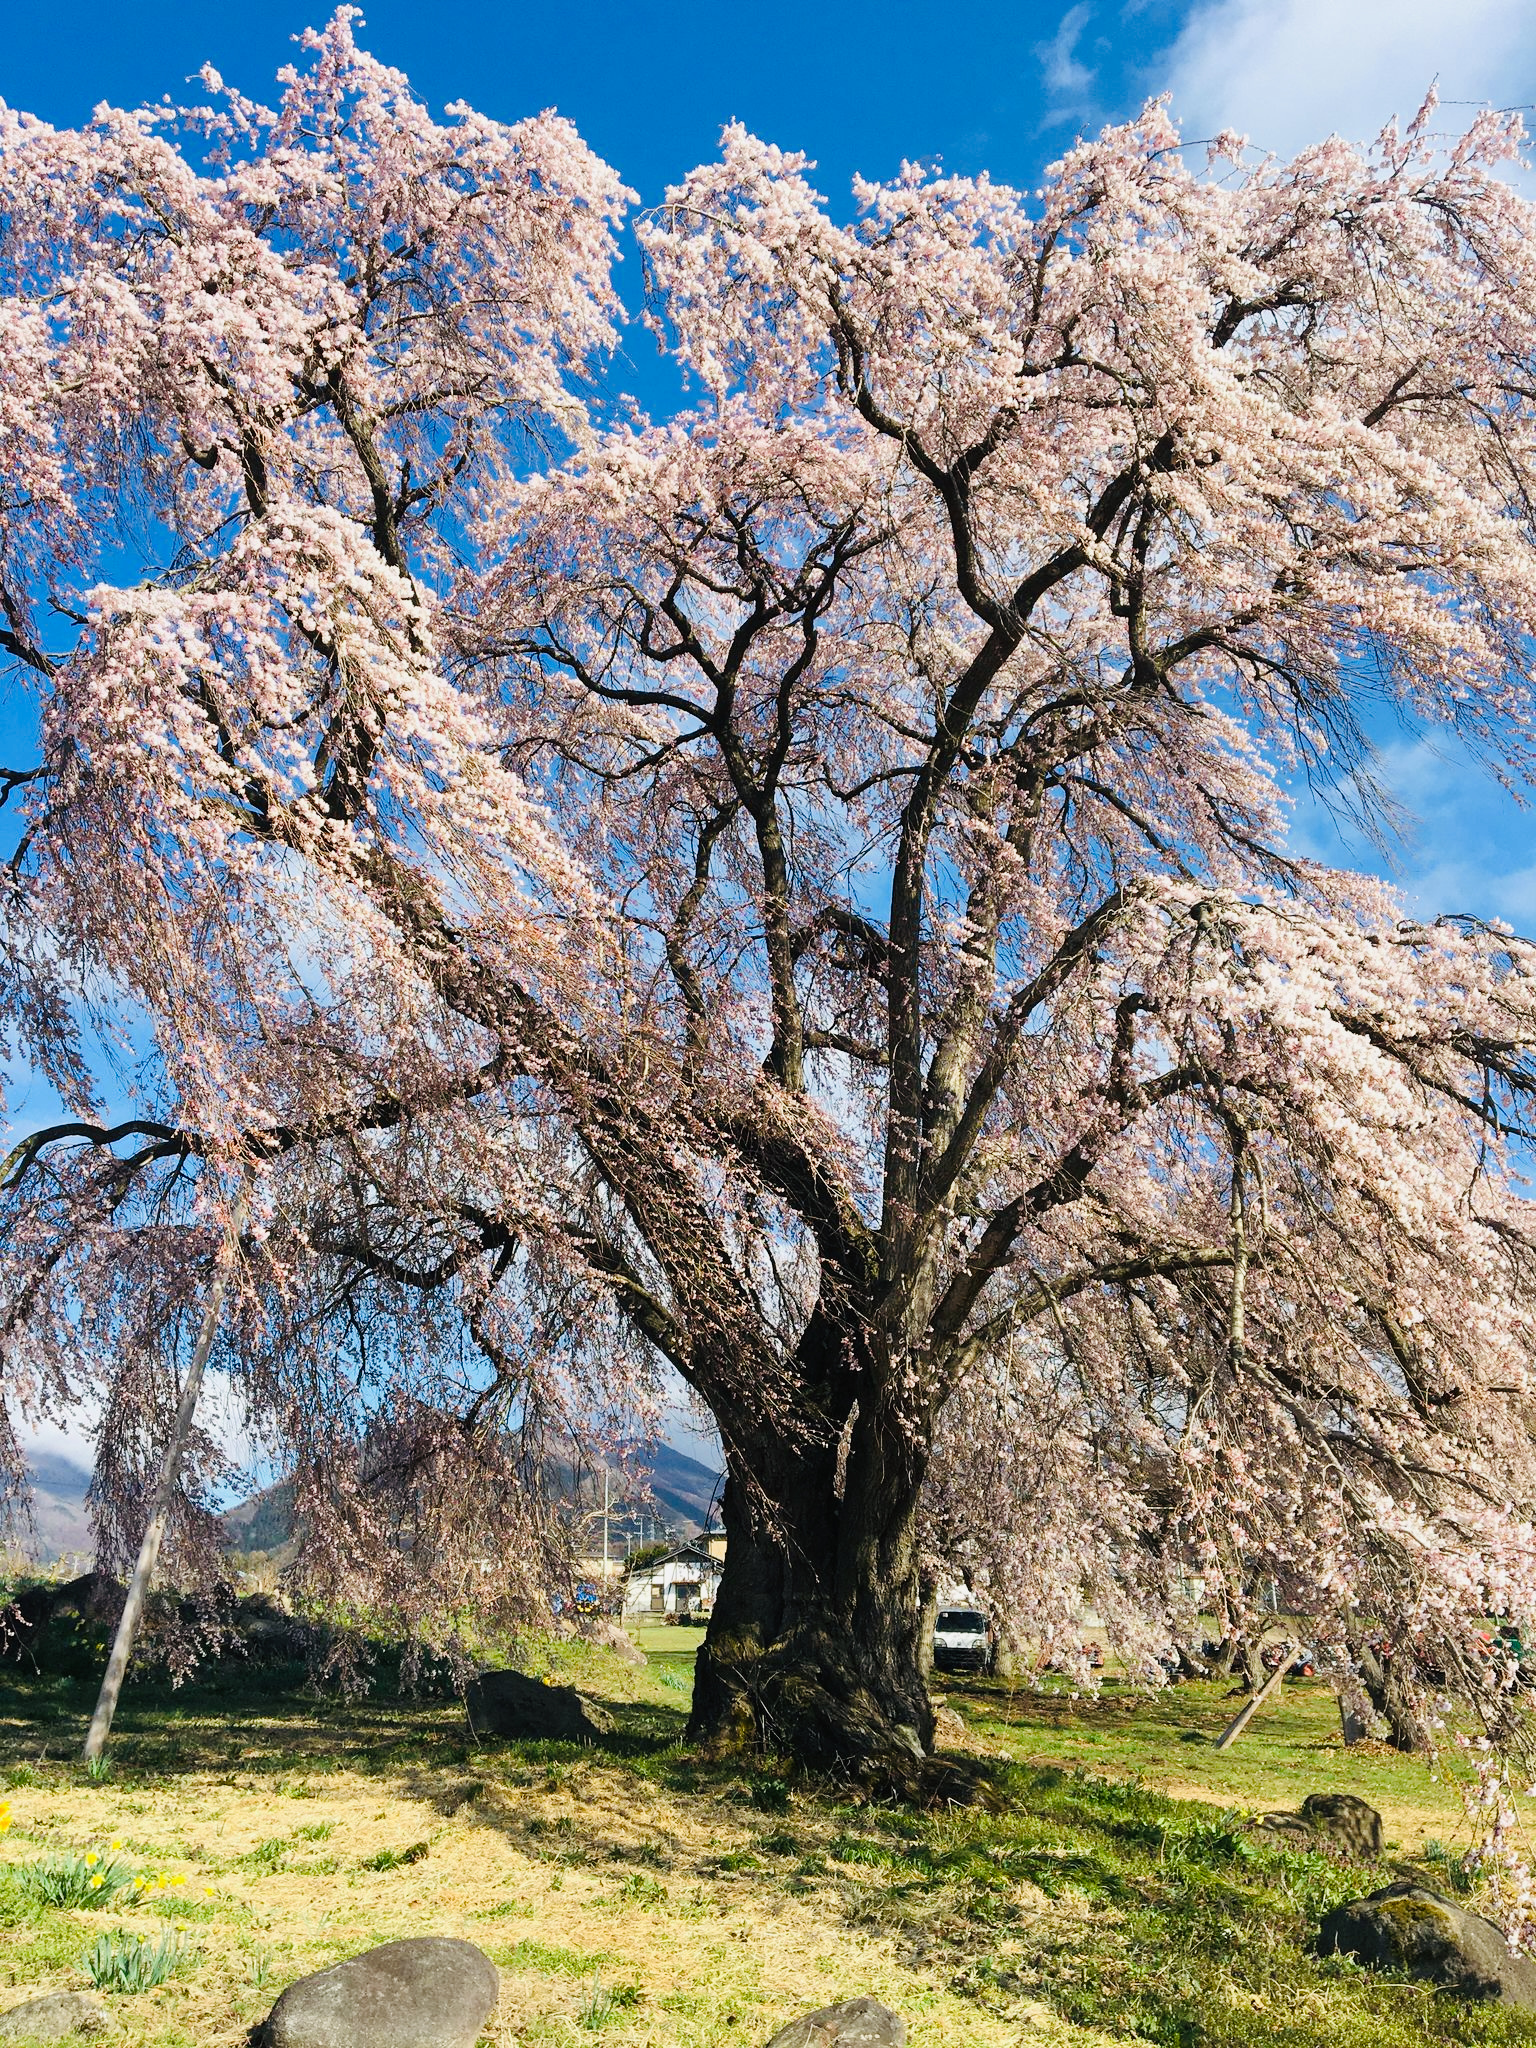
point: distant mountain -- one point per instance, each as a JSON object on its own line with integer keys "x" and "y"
{"x": 685, "y": 1490}
{"x": 60, "y": 1526}
{"x": 263, "y": 1522}
{"x": 685, "y": 1493}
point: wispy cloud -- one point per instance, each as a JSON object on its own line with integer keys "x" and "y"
{"x": 1068, "y": 80}
{"x": 1289, "y": 72}
{"x": 1467, "y": 846}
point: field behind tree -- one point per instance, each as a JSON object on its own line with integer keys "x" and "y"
{"x": 633, "y": 1896}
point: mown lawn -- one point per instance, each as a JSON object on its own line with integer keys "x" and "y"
{"x": 1292, "y": 1747}
{"x": 629, "y": 1893}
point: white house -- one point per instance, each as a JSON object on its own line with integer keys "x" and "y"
{"x": 685, "y": 1581}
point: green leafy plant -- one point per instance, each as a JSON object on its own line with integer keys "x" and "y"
{"x": 640, "y": 1890}
{"x": 603, "y": 2001}
{"x": 394, "y": 1859}
{"x": 1455, "y": 1869}
{"x": 121, "y": 1961}
{"x": 266, "y": 1857}
{"x": 99, "y": 1770}
{"x": 74, "y": 1878}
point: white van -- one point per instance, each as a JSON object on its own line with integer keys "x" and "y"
{"x": 960, "y": 1640}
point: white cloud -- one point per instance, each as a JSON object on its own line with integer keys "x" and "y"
{"x": 1068, "y": 79}
{"x": 1290, "y": 72}
{"x": 1468, "y": 844}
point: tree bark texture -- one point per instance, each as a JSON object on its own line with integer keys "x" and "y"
{"x": 813, "y": 1648}
{"x": 1391, "y": 1699}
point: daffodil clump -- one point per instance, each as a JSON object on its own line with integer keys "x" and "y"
{"x": 68, "y": 1878}
{"x": 122, "y": 1961}
{"x": 94, "y": 1877}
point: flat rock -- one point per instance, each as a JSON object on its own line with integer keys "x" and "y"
{"x": 58, "y": 2016}
{"x": 511, "y": 1703}
{"x": 858, "y": 2023}
{"x": 426, "y": 1993}
{"x": 1407, "y": 1926}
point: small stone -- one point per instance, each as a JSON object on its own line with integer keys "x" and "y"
{"x": 858, "y": 2023}
{"x": 426, "y": 1993}
{"x": 948, "y": 1728}
{"x": 57, "y": 2016}
{"x": 510, "y": 1703}
{"x": 1405, "y": 1926}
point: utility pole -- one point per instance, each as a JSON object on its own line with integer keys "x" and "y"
{"x": 165, "y": 1487}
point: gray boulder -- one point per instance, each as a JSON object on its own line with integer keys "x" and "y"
{"x": 614, "y": 1636}
{"x": 857, "y": 2023}
{"x": 511, "y": 1703}
{"x": 58, "y": 2016}
{"x": 427, "y": 1993}
{"x": 1406, "y": 1926}
{"x": 1331, "y": 1820}
{"x": 1346, "y": 1822}
{"x": 948, "y": 1728}
{"x": 268, "y": 1633}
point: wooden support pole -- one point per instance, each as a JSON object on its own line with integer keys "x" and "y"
{"x": 165, "y": 1490}
{"x": 1235, "y": 1727}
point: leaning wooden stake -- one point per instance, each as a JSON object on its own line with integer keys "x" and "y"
{"x": 165, "y": 1489}
{"x": 1235, "y": 1727}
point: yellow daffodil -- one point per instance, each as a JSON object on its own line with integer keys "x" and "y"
{"x": 91, "y": 1859}
{"x": 178, "y": 1880}
{"x": 207, "y": 1891}
{"x": 115, "y": 1845}
{"x": 98, "y": 1879}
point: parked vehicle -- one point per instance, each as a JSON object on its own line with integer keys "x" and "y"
{"x": 961, "y": 1641}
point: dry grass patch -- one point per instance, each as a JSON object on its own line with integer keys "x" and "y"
{"x": 614, "y": 1906}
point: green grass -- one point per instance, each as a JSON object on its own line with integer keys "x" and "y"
{"x": 1293, "y": 1746}
{"x": 1172, "y": 1923}
{"x": 1094, "y": 1892}
{"x": 395, "y": 1859}
{"x": 550, "y": 1959}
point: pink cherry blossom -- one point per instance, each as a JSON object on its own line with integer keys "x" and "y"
{"x": 796, "y": 895}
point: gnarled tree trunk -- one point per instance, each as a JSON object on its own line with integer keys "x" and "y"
{"x": 1391, "y": 1699}
{"x": 813, "y": 1647}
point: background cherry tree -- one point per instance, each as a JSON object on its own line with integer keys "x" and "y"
{"x": 797, "y": 893}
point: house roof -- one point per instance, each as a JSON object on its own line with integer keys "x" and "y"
{"x": 685, "y": 1553}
